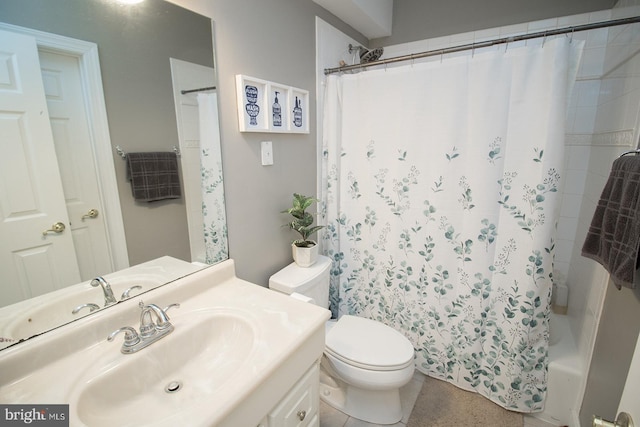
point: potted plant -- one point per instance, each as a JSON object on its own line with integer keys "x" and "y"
{"x": 304, "y": 250}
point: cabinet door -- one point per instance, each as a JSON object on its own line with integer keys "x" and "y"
{"x": 315, "y": 421}
{"x": 299, "y": 408}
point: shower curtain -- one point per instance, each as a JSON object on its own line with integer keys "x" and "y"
{"x": 213, "y": 210}
{"x": 440, "y": 189}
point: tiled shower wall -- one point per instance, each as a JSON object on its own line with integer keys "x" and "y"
{"x": 614, "y": 130}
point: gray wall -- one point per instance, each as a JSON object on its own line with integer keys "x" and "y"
{"x": 272, "y": 40}
{"x": 134, "y": 46}
{"x": 423, "y": 19}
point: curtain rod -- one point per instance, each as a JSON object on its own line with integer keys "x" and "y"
{"x": 202, "y": 89}
{"x": 489, "y": 43}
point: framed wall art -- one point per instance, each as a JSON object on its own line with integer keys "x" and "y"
{"x": 252, "y": 102}
{"x": 270, "y": 107}
{"x": 299, "y": 101}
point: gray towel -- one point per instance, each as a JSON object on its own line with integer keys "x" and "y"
{"x": 153, "y": 176}
{"x": 614, "y": 234}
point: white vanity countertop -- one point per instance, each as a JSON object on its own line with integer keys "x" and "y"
{"x": 57, "y": 366}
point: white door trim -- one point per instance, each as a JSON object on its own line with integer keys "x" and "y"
{"x": 630, "y": 399}
{"x": 87, "y": 54}
{"x": 189, "y": 139}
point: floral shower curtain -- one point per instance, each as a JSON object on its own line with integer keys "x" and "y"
{"x": 213, "y": 210}
{"x": 440, "y": 198}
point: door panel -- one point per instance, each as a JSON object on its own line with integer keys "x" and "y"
{"x": 31, "y": 196}
{"x": 63, "y": 90}
{"x": 630, "y": 401}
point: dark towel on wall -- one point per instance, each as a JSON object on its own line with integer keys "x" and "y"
{"x": 154, "y": 176}
{"x": 614, "y": 234}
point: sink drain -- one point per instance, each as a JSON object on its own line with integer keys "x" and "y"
{"x": 173, "y": 387}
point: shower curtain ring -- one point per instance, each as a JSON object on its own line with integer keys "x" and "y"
{"x": 507, "y": 41}
{"x": 544, "y": 39}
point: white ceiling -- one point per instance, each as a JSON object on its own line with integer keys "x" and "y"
{"x": 372, "y": 18}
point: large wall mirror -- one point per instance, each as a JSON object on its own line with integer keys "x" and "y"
{"x": 109, "y": 75}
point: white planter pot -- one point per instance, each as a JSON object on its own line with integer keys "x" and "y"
{"x": 305, "y": 257}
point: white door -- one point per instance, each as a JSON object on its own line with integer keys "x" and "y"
{"x": 630, "y": 401}
{"x": 31, "y": 195}
{"x": 63, "y": 90}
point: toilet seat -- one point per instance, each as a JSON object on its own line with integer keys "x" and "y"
{"x": 368, "y": 344}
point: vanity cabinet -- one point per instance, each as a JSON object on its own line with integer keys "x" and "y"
{"x": 300, "y": 406}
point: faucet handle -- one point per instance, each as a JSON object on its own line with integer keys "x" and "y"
{"x": 131, "y": 337}
{"x": 126, "y": 294}
{"x": 91, "y": 306}
{"x": 176, "y": 305}
{"x": 141, "y": 304}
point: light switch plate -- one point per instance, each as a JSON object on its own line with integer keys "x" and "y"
{"x": 267, "y": 153}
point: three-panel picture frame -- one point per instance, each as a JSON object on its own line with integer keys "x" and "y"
{"x": 265, "y": 106}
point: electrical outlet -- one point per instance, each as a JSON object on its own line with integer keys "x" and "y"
{"x": 267, "y": 153}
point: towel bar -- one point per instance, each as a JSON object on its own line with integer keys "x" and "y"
{"x": 122, "y": 154}
{"x": 636, "y": 151}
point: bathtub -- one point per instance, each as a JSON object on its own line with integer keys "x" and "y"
{"x": 565, "y": 375}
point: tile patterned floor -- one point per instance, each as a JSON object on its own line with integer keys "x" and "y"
{"x": 330, "y": 417}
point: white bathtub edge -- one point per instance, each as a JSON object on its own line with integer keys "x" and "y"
{"x": 565, "y": 377}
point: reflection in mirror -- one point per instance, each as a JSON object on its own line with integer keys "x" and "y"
{"x": 33, "y": 316}
{"x": 106, "y": 75}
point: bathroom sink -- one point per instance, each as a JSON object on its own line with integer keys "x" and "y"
{"x": 165, "y": 381}
{"x": 235, "y": 351}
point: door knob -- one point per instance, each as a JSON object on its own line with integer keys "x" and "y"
{"x": 91, "y": 214}
{"x": 623, "y": 420}
{"x": 58, "y": 227}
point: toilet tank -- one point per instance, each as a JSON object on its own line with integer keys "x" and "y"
{"x": 312, "y": 282}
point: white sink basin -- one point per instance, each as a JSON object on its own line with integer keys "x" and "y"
{"x": 203, "y": 353}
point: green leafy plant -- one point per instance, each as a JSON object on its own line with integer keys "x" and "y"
{"x": 302, "y": 220}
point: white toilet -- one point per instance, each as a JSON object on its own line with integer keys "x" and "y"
{"x": 365, "y": 362}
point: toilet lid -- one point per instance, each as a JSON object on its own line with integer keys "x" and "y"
{"x": 368, "y": 344}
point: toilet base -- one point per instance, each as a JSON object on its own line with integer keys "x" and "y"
{"x": 373, "y": 406}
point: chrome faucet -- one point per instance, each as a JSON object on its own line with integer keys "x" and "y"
{"x": 106, "y": 289}
{"x": 150, "y": 330}
{"x": 148, "y": 327}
